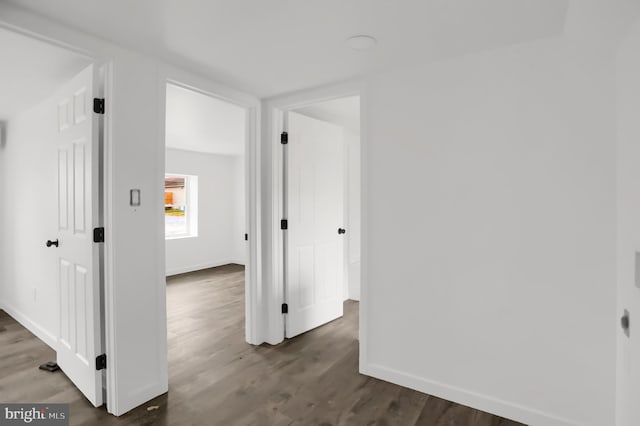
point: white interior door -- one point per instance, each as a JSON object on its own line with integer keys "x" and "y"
{"x": 79, "y": 339}
{"x": 628, "y": 332}
{"x": 314, "y": 256}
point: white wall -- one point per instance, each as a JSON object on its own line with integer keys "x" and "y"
{"x": 352, "y": 141}
{"x": 28, "y": 273}
{"x": 628, "y": 107}
{"x": 489, "y": 245}
{"x": 220, "y": 214}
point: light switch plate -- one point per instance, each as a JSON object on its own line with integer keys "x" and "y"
{"x": 134, "y": 197}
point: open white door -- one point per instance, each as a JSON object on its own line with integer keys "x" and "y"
{"x": 628, "y": 366}
{"x": 79, "y": 338}
{"x": 314, "y": 259}
{"x": 628, "y": 332}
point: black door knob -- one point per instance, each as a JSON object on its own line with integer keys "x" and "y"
{"x": 342, "y": 231}
{"x": 52, "y": 243}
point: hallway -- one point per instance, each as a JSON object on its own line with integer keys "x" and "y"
{"x": 216, "y": 378}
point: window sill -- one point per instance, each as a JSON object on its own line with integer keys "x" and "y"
{"x": 179, "y": 237}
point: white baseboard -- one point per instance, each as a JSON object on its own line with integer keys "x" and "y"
{"x": 193, "y": 268}
{"x": 35, "y": 328}
{"x": 138, "y": 398}
{"x": 475, "y": 400}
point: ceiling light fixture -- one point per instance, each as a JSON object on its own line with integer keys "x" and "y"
{"x": 361, "y": 42}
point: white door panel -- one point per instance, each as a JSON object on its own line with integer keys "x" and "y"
{"x": 315, "y": 199}
{"x": 629, "y": 343}
{"x": 79, "y": 340}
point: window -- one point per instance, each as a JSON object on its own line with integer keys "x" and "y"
{"x": 180, "y": 206}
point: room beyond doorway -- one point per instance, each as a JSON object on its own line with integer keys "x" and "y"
{"x": 204, "y": 187}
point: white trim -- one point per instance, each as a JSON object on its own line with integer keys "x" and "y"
{"x": 253, "y": 294}
{"x": 275, "y": 108}
{"x": 275, "y": 289}
{"x": 471, "y": 399}
{"x": 161, "y": 295}
{"x": 111, "y": 399}
{"x": 364, "y": 226}
{"x": 179, "y": 236}
{"x": 202, "y": 152}
{"x": 201, "y": 266}
{"x": 346, "y": 214}
{"x": 36, "y": 329}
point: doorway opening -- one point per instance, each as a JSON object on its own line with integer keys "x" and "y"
{"x": 51, "y": 186}
{"x": 321, "y": 210}
{"x": 206, "y": 232}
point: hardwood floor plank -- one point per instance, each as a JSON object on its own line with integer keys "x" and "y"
{"x": 216, "y": 378}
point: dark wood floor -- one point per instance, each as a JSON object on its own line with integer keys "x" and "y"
{"x": 215, "y": 378}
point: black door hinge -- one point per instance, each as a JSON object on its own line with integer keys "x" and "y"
{"x": 284, "y": 224}
{"x": 101, "y": 362}
{"x": 98, "y": 235}
{"x": 284, "y": 138}
{"x": 285, "y": 308}
{"x": 98, "y": 105}
{"x": 246, "y": 237}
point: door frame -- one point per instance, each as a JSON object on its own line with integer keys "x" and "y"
{"x": 251, "y": 105}
{"x": 104, "y": 66}
{"x": 274, "y": 111}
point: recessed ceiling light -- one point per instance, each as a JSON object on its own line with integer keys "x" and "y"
{"x": 361, "y": 42}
